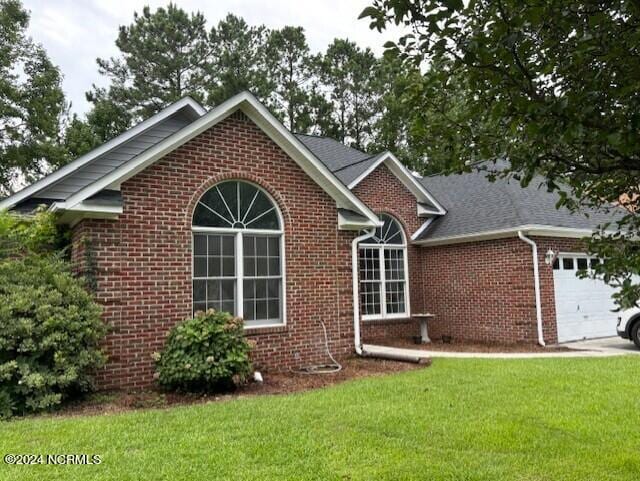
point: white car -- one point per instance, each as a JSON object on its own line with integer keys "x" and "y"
{"x": 629, "y": 325}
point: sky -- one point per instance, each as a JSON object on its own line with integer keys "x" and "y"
{"x": 76, "y": 32}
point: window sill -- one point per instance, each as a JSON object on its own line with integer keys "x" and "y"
{"x": 258, "y": 330}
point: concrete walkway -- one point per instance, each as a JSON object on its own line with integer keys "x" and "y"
{"x": 578, "y": 350}
{"x": 613, "y": 345}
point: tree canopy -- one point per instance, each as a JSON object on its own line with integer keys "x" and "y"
{"x": 553, "y": 86}
{"x": 31, "y": 103}
{"x": 168, "y": 53}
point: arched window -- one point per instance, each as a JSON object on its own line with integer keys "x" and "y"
{"x": 238, "y": 254}
{"x": 383, "y": 272}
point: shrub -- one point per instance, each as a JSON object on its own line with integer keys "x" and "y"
{"x": 34, "y": 234}
{"x": 206, "y": 353}
{"x": 50, "y": 330}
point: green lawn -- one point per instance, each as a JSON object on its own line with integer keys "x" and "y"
{"x": 545, "y": 419}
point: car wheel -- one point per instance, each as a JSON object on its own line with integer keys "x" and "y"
{"x": 635, "y": 334}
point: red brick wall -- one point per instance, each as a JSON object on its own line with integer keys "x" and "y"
{"x": 384, "y": 193}
{"x": 484, "y": 291}
{"x": 143, "y": 259}
{"x": 481, "y": 291}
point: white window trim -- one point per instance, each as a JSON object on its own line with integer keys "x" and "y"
{"x": 239, "y": 265}
{"x": 575, "y": 256}
{"x": 383, "y": 295}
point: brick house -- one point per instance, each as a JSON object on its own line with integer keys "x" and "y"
{"x": 227, "y": 209}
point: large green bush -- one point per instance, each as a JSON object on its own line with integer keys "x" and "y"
{"x": 206, "y": 353}
{"x": 50, "y": 327}
{"x": 50, "y": 330}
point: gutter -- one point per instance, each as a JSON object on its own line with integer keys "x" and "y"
{"x": 356, "y": 308}
{"x": 536, "y": 283}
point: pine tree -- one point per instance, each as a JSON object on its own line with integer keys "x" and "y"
{"x": 291, "y": 71}
{"x": 237, "y": 60}
{"x": 163, "y": 56}
{"x": 31, "y": 103}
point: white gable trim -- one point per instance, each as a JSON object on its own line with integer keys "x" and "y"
{"x": 403, "y": 174}
{"x": 71, "y": 167}
{"x": 266, "y": 121}
{"x": 422, "y": 228}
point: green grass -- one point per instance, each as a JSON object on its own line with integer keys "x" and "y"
{"x": 544, "y": 419}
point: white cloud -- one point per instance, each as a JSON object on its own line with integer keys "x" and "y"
{"x": 75, "y": 33}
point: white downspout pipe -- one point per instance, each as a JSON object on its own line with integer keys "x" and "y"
{"x": 356, "y": 294}
{"x": 536, "y": 283}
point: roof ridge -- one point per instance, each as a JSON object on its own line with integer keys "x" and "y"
{"x": 314, "y": 135}
{"x": 360, "y": 161}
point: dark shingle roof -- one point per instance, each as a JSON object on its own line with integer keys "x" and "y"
{"x": 475, "y": 204}
{"x": 110, "y": 161}
{"x": 346, "y": 163}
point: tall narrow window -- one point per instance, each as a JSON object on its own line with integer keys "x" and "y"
{"x": 383, "y": 272}
{"x": 238, "y": 257}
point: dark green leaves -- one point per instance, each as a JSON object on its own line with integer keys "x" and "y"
{"x": 552, "y": 86}
{"x": 31, "y": 103}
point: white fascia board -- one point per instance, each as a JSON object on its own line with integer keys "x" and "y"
{"x": 350, "y": 224}
{"x": 87, "y": 207}
{"x": 422, "y": 228}
{"x": 85, "y": 211}
{"x": 71, "y": 167}
{"x": 532, "y": 229}
{"x": 266, "y": 121}
{"x": 424, "y": 212}
{"x": 403, "y": 174}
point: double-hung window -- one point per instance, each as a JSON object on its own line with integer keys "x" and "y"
{"x": 383, "y": 272}
{"x": 238, "y": 258}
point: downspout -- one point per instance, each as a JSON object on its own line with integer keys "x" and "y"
{"x": 536, "y": 283}
{"x": 356, "y": 309}
{"x": 356, "y": 294}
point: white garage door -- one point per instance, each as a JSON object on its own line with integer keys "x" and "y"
{"x": 583, "y": 306}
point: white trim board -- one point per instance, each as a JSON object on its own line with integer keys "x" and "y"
{"x": 248, "y": 104}
{"x": 71, "y": 167}
{"x": 530, "y": 229}
{"x": 406, "y": 177}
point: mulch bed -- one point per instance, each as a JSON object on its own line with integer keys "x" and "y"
{"x": 461, "y": 346}
{"x": 106, "y": 402}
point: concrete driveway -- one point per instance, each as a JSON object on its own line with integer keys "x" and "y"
{"x": 610, "y": 345}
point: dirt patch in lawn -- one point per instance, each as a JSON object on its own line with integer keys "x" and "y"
{"x": 274, "y": 383}
{"x": 462, "y": 346}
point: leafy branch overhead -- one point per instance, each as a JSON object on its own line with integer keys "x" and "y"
{"x": 551, "y": 86}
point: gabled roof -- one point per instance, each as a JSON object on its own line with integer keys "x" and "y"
{"x": 334, "y": 154}
{"x": 478, "y": 207}
{"x": 352, "y": 166}
{"x": 106, "y": 168}
{"x": 86, "y": 169}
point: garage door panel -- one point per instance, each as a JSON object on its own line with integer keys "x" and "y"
{"x": 583, "y": 306}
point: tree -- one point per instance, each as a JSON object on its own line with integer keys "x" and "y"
{"x": 348, "y": 73}
{"x": 163, "y": 57}
{"x": 291, "y": 70}
{"x": 553, "y": 87}
{"x": 79, "y": 138}
{"x": 31, "y": 103}
{"x": 391, "y": 129}
{"x": 237, "y": 60}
